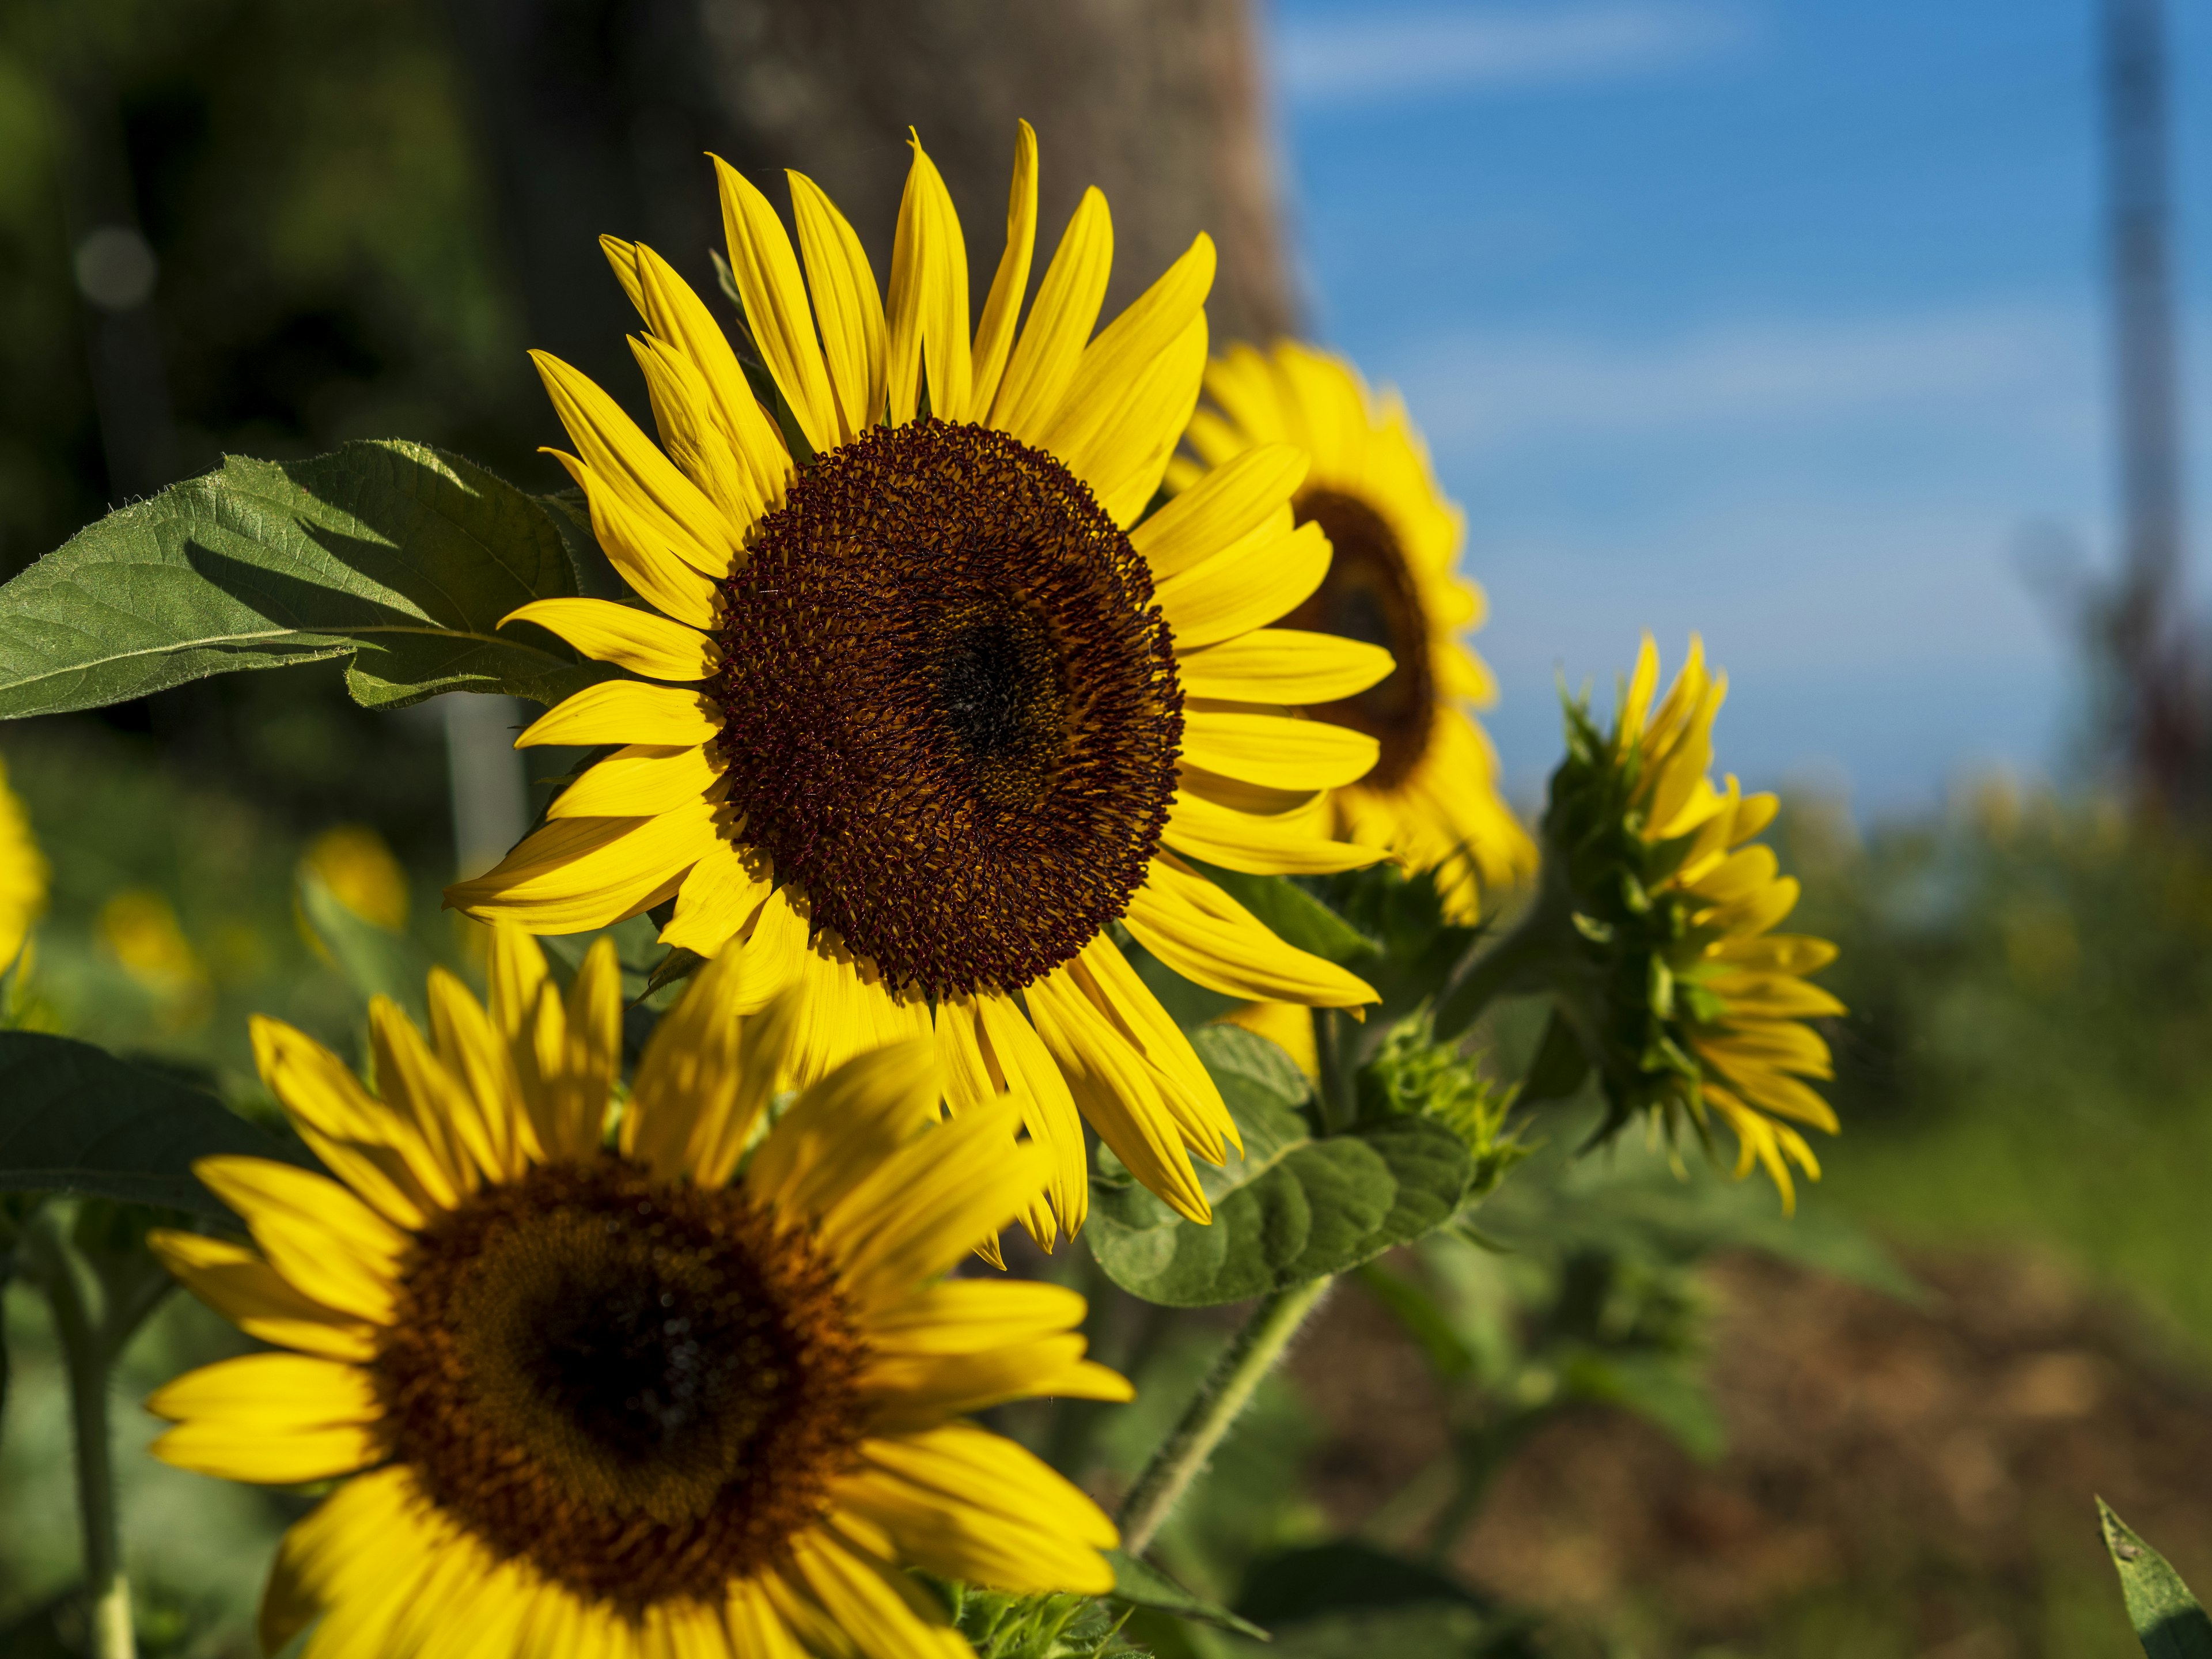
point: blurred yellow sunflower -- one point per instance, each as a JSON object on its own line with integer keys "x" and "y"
{"x": 923, "y": 710}
{"x": 24, "y": 874}
{"x": 653, "y": 1398}
{"x": 1432, "y": 796}
{"x": 1699, "y": 1007}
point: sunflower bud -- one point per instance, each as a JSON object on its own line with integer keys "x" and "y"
{"x": 1653, "y": 933}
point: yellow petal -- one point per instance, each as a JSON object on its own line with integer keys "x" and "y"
{"x": 463, "y": 1035}
{"x": 846, "y": 1009}
{"x": 931, "y": 1202}
{"x": 848, "y": 306}
{"x": 1127, "y": 456}
{"x": 686, "y": 412}
{"x": 1248, "y": 497}
{"x": 1045, "y": 359}
{"x": 578, "y": 874}
{"x": 645, "y": 560}
{"x": 724, "y": 892}
{"x": 1118, "y": 1094}
{"x": 314, "y": 1232}
{"x": 376, "y": 1153}
{"x": 994, "y": 334}
{"x": 1125, "y": 348}
{"x": 882, "y": 1617}
{"x": 640, "y": 780}
{"x": 775, "y": 299}
{"x": 929, "y": 299}
{"x": 1283, "y": 666}
{"x": 272, "y": 1417}
{"x": 907, "y": 1392}
{"x": 1244, "y": 586}
{"x": 842, "y": 1129}
{"x": 431, "y": 1098}
{"x": 627, "y": 711}
{"x": 1211, "y": 940}
{"x": 633, "y": 470}
{"x": 990, "y": 1049}
{"x": 1258, "y": 844}
{"x": 948, "y": 1517}
{"x": 969, "y": 1316}
{"x": 254, "y": 1296}
{"x": 1277, "y": 751}
{"x": 681, "y": 319}
{"x": 636, "y": 640}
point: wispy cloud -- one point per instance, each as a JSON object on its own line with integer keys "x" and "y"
{"x": 1475, "y": 391}
{"x": 1380, "y": 55}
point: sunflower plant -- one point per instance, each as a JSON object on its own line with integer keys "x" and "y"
{"x": 1031, "y": 770}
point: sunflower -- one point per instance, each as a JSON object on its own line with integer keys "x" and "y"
{"x": 645, "y": 1398}
{"x": 1701, "y": 1005}
{"x": 921, "y": 707}
{"x": 24, "y": 875}
{"x": 1432, "y": 796}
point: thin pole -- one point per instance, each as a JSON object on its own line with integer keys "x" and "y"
{"x": 2137, "y": 181}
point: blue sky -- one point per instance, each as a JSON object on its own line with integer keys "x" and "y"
{"x": 1778, "y": 321}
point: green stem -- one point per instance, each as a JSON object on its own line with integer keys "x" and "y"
{"x": 87, "y": 1351}
{"x": 1480, "y": 1456}
{"x": 1525, "y": 960}
{"x": 1221, "y": 1399}
{"x": 1328, "y": 1060}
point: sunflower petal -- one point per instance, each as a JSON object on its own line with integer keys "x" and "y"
{"x": 1050, "y": 349}
{"x": 639, "y": 641}
{"x": 254, "y": 1296}
{"x": 775, "y": 299}
{"x": 994, "y": 334}
{"x": 929, "y": 299}
{"x": 627, "y": 712}
{"x": 848, "y": 306}
{"x": 1211, "y": 940}
{"x": 1283, "y": 666}
{"x": 1278, "y": 751}
{"x": 578, "y": 874}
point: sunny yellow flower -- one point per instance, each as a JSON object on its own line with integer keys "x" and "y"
{"x": 1394, "y": 582}
{"x": 352, "y": 860}
{"x": 1697, "y": 1009}
{"x": 924, "y": 704}
{"x": 24, "y": 874}
{"x": 140, "y": 929}
{"x": 695, "y": 1392}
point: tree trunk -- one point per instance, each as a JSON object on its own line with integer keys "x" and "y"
{"x": 595, "y": 113}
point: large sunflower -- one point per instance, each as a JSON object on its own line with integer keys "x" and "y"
{"x": 651, "y": 1398}
{"x": 923, "y": 710}
{"x": 1432, "y": 796}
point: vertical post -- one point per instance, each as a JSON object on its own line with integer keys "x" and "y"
{"x": 491, "y": 795}
{"x": 2147, "y": 641}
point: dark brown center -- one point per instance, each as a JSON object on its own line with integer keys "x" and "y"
{"x": 1369, "y": 595}
{"x": 951, "y": 707}
{"x": 643, "y": 1388}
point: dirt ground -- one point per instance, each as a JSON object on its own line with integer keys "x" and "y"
{"x": 1916, "y": 1481}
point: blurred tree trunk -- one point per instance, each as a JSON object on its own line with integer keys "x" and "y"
{"x": 594, "y": 114}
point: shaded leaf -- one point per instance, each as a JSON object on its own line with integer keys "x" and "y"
{"x": 1141, "y": 1584}
{"x": 2168, "y": 1620}
{"x": 74, "y": 1119}
{"x": 1294, "y": 1207}
{"x": 394, "y": 556}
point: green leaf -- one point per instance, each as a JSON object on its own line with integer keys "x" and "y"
{"x": 1294, "y": 1207}
{"x": 1141, "y": 1584}
{"x": 375, "y": 961}
{"x": 74, "y": 1119}
{"x": 395, "y": 555}
{"x": 2168, "y": 1621}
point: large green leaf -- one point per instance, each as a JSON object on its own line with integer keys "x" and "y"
{"x": 1295, "y": 1207}
{"x": 397, "y": 556}
{"x": 2168, "y": 1620}
{"x": 74, "y": 1119}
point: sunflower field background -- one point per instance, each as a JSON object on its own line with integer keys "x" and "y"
{"x": 1595, "y": 1365}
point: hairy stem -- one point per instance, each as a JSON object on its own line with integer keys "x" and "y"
{"x": 87, "y": 1351}
{"x": 1221, "y": 1399}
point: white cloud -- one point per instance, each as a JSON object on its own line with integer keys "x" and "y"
{"x": 1381, "y": 55}
{"x": 1477, "y": 391}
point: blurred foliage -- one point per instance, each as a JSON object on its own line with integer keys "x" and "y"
{"x": 304, "y": 176}
{"x": 2029, "y": 1054}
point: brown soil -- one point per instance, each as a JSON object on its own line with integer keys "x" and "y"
{"x": 1923, "y": 1476}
